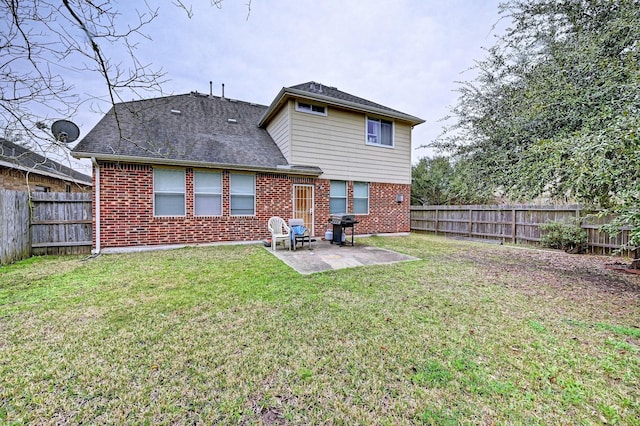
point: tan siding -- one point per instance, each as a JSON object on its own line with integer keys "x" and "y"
{"x": 336, "y": 143}
{"x": 279, "y": 128}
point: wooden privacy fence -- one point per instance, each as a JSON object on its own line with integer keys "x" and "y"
{"x": 60, "y": 223}
{"x": 513, "y": 223}
{"x": 15, "y": 243}
{"x": 46, "y": 223}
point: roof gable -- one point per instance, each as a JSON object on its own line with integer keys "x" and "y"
{"x": 332, "y": 96}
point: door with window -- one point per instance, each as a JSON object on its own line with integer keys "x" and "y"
{"x": 303, "y": 205}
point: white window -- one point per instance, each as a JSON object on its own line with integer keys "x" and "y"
{"x": 207, "y": 187}
{"x": 243, "y": 194}
{"x": 379, "y": 132}
{"x": 168, "y": 192}
{"x": 360, "y": 198}
{"x": 338, "y": 197}
{"x": 310, "y": 108}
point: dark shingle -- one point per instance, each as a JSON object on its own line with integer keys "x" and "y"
{"x": 186, "y": 128}
{"x": 320, "y": 89}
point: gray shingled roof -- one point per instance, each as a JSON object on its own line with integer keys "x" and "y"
{"x": 332, "y": 95}
{"x": 185, "y": 129}
{"x": 333, "y": 92}
{"x": 196, "y": 129}
{"x": 22, "y": 158}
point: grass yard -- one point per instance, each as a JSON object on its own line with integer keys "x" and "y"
{"x": 470, "y": 334}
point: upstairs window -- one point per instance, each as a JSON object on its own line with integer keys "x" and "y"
{"x": 207, "y": 187}
{"x": 379, "y": 132}
{"x": 310, "y": 108}
{"x": 338, "y": 197}
{"x": 168, "y": 192}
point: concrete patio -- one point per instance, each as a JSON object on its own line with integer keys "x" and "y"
{"x": 324, "y": 256}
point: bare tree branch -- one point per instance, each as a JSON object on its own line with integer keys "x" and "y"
{"x": 45, "y": 44}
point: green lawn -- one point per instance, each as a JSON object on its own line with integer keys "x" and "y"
{"x": 470, "y": 334}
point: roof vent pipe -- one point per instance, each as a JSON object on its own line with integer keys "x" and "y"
{"x": 210, "y": 88}
{"x": 223, "y": 90}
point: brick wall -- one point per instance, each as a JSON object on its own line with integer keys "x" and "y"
{"x": 16, "y": 180}
{"x": 127, "y": 219}
{"x": 385, "y": 214}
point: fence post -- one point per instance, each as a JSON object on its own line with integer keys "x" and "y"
{"x": 470, "y": 222}
{"x": 513, "y": 225}
{"x": 437, "y": 221}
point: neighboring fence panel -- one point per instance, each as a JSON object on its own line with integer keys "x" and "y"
{"x": 14, "y": 226}
{"x": 61, "y": 223}
{"x": 511, "y": 223}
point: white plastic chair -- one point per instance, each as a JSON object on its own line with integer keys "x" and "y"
{"x": 279, "y": 232}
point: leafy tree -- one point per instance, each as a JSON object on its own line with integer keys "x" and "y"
{"x": 466, "y": 188}
{"x": 555, "y": 108}
{"x": 436, "y": 181}
{"x": 430, "y": 181}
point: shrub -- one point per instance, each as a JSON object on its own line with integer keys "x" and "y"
{"x": 569, "y": 237}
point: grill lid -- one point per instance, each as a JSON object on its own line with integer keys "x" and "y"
{"x": 340, "y": 219}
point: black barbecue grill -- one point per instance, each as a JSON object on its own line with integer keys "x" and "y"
{"x": 340, "y": 222}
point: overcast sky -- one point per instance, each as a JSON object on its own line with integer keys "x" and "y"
{"x": 405, "y": 54}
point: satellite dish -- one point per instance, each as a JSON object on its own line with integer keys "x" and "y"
{"x": 65, "y": 131}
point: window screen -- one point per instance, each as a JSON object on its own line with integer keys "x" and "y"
{"x": 338, "y": 197}
{"x": 169, "y": 192}
{"x": 208, "y": 193}
{"x": 243, "y": 190}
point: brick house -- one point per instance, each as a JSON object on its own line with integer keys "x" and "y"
{"x": 24, "y": 170}
{"x": 195, "y": 168}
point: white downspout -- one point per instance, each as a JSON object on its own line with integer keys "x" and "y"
{"x": 96, "y": 190}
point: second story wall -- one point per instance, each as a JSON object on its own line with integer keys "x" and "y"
{"x": 280, "y": 130}
{"x": 337, "y": 144}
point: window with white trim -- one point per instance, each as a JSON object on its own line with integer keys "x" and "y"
{"x": 311, "y": 108}
{"x": 338, "y": 197}
{"x": 207, "y": 188}
{"x": 379, "y": 132}
{"x": 168, "y": 192}
{"x": 360, "y": 198}
{"x": 242, "y": 189}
